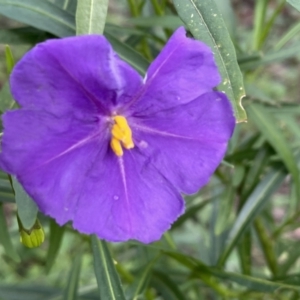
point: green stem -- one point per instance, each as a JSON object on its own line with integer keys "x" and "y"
{"x": 267, "y": 246}
{"x": 135, "y": 12}
{"x": 128, "y": 277}
{"x": 269, "y": 24}
{"x": 169, "y": 240}
{"x": 157, "y": 8}
{"x": 220, "y": 289}
{"x": 160, "y": 12}
{"x": 133, "y": 6}
{"x": 287, "y": 222}
{"x": 244, "y": 250}
{"x": 259, "y": 22}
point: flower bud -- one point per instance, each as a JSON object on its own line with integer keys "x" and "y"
{"x": 34, "y": 237}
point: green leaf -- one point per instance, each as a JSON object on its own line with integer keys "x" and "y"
{"x": 199, "y": 269}
{"x": 269, "y": 24}
{"x": 228, "y": 14}
{"x": 17, "y": 292}
{"x": 49, "y": 17}
{"x": 22, "y": 35}
{"x": 142, "y": 281}
{"x": 259, "y": 22}
{"x": 6, "y": 100}
{"x": 109, "y": 284}
{"x": 225, "y": 213}
{"x": 6, "y": 197}
{"x": 27, "y": 209}
{"x": 294, "y": 30}
{"x": 292, "y": 124}
{"x": 56, "y": 235}
{"x": 294, "y": 3}
{"x": 91, "y": 16}
{"x": 244, "y": 250}
{"x": 166, "y": 287}
{"x": 265, "y": 122}
{"x": 191, "y": 212}
{"x": 292, "y": 256}
{"x": 252, "y": 207}
{"x": 10, "y": 61}
{"x": 43, "y": 15}
{"x": 266, "y": 245}
{"x": 255, "y": 171}
{"x": 68, "y": 5}
{"x": 70, "y": 292}
{"x": 206, "y": 24}
{"x": 252, "y": 283}
{"x": 168, "y": 21}
{"x": 5, "y": 238}
{"x": 272, "y": 57}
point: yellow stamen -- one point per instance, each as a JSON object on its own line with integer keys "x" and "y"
{"x": 121, "y": 134}
{"x": 116, "y": 146}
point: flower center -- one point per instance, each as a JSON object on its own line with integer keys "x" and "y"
{"x": 121, "y": 135}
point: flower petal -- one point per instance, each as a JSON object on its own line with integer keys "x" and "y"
{"x": 126, "y": 198}
{"x": 34, "y": 137}
{"x": 187, "y": 143}
{"x": 80, "y": 72}
{"x": 72, "y": 174}
{"x": 50, "y": 156}
{"x": 184, "y": 70}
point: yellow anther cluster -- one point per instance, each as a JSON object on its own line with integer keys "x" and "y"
{"x": 121, "y": 136}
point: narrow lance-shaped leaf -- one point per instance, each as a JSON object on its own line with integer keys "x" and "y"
{"x": 198, "y": 269}
{"x": 205, "y": 22}
{"x": 10, "y": 61}
{"x": 252, "y": 207}
{"x": 91, "y": 16}
{"x": 28, "y": 292}
{"x": 142, "y": 280}
{"x": 259, "y": 22}
{"x": 166, "y": 286}
{"x": 5, "y": 238}
{"x": 27, "y": 209}
{"x": 39, "y": 14}
{"x": 22, "y": 35}
{"x": 265, "y": 122}
{"x": 56, "y": 235}
{"x": 68, "y": 5}
{"x": 70, "y": 292}
{"x": 109, "y": 285}
{"x": 6, "y": 100}
{"x": 294, "y": 3}
{"x": 49, "y": 17}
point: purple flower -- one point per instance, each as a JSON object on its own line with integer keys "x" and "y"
{"x": 96, "y": 144}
